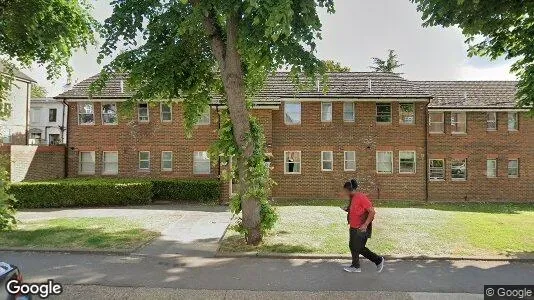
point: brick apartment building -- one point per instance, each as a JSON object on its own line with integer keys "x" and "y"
{"x": 403, "y": 140}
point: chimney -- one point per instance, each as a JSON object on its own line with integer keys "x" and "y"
{"x": 318, "y": 86}
{"x": 370, "y": 85}
{"x": 67, "y": 86}
{"x": 122, "y": 86}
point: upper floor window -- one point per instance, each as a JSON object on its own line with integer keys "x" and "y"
{"x": 407, "y": 162}
{"x": 166, "y": 161}
{"x": 35, "y": 115}
{"x": 86, "y": 113}
{"x": 6, "y": 135}
{"x": 327, "y": 160}
{"x": 384, "y": 162}
{"x": 436, "y": 169}
{"x": 292, "y": 162}
{"x": 86, "y": 163}
{"x": 436, "y": 122}
{"x": 109, "y": 113}
{"x": 349, "y": 160}
{"x": 205, "y": 117}
{"x": 513, "y": 124}
{"x": 349, "y": 113}
{"x": 513, "y": 168}
{"x": 383, "y": 112}
{"x": 166, "y": 112}
{"x": 491, "y": 168}
{"x": 201, "y": 162}
{"x": 110, "y": 162}
{"x": 144, "y": 160}
{"x": 292, "y": 113}
{"x": 142, "y": 110}
{"x": 458, "y": 122}
{"x": 491, "y": 121}
{"x": 407, "y": 113}
{"x": 459, "y": 169}
{"x": 52, "y": 115}
{"x": 326, "y": 112}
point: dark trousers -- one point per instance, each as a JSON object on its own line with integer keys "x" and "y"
{"x": 357, "y": 243}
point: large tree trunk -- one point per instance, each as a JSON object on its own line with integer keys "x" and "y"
{"x": 231, "y": 69}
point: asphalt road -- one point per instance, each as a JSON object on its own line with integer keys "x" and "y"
{"x": 192, "y": 272}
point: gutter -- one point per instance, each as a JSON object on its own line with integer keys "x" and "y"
{"x": 65, "y": 137}
{"x": 426, "y": 152}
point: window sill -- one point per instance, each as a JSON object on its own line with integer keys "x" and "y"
{"x": 378, "y": 173}
{"x": 436, "y": 132}
{"x": 349, "y": 121}
{"x": 86, "y": 124}
{"x": 491, "y": 130}
{"x": 166, "y": 170}
{"x": 143, "y": 170}
{"x": 492, "y": 177}
{"x": 143, "y": 122}
{"x": 110, "y": 124}
{"x": 413, "y": 173}
{"x": 437, "y": 180}
{"x": 87, "y": 174}
{"x": 292, "y": 173}
{"x": 513, "y": 177}
{"x": 383, "y": 123}
{"x": 513, "y": 130}
{"x": 327, "y": 170}
{"x": 296, "y": 124}
{"x": 407, "y": 124}
{"x": 349, "y": 170}
{"x": 459, "y": 133}
{"x": 459, "y": 180}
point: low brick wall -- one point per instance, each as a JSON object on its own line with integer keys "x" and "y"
{"x": 31, "y": 163}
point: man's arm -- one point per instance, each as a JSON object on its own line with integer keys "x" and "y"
{"x": 370, "y": 217}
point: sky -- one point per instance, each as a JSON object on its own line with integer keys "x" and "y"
{"x": 358, "y": 31}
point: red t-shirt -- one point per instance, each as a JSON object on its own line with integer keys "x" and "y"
{"x": 358, "y": 207}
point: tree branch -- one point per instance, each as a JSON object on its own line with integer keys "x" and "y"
{"x": 214, "y": 34}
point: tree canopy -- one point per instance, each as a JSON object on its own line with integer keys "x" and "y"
{"x": 389, "y": 64}
{"x": 493, "y": 28}
{"x": 38, "y": 91}
{"x": 334, "y": 66}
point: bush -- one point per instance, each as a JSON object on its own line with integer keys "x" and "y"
{"x": 186, "y": 190}
{"x": 81, "y": 193}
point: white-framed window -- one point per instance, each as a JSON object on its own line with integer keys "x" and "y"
{"x": 143, "y": 112}
{"x": 52, "y": 115}
{"x": 349, "y": 158}
{"x": 459, "y": 169}
{"x": 144, "y": 160}
{"x": 513, "y": 168}
{"x": 35, "y": 115}
{"x": 436, "y": 122}
{"x": 292, "y": 162}
{"x": 407, "y": 162}
{"x": 292, "y": 113}
{"x": 6, "y": 135}
{"x": 166, "y": 160}
{"x": 86, "y": 165}
{"x": 201, "y": 162}
{"x": 436, "y": 169}
{"x": 458, "y": 122}
{"x": 109, "y": 114}
{"x": 407, "y": 113}
{"x": 166, "y": 112}
{"x": 110, "y": 162}
{"x": 86, "y": 113}
{"x": 513, "y": 123}
{"x": 384, "y": 162}
{"x": 383, "y": 112}
{"x": 205, "y": 117}
{"x": 326, "y": 112}
{"x": 327, "y": 160}
{"x": 35, "y": 138}
{"x": 349, "y": 112}
{"x": 491, "y": 121}
{"x": 491, "y": 168}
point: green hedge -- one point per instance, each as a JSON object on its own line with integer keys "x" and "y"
{"x": 111, "y": 192}
{"x": 186, "y": 190}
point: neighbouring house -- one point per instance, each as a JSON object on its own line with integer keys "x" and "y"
{"x": 14, "y": 128}
{"x": 48, "y": 117}
{"x": 403, "y": 140}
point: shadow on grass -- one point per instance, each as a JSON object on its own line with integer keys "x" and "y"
{"x": 65, "y": 237}
{"x": 236, "y": 243}
{"x": 480, "y": 207}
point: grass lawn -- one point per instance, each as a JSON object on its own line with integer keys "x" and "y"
{"x": 319, "y": 227}
{"x": 78, "y": 233}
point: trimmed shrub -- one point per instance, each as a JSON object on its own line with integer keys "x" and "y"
{"x": 186, "y": 190}
{"x": 81, "y": 193}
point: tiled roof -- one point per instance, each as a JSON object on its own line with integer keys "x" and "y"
{"x": 280, "y": 86}
{"x": 470, "y": 94}
{"x": 17, "y": 73}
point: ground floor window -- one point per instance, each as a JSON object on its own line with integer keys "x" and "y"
{"x": 86, "y": 163}
{"x": 459, "y": 169}
{"x": 407, "y": 162}
{"x": 384, "y": 162}
{"x": 327, "y": 160}
{"x": 491, "y": 168}
{"x": 436, "y": 169}
{"x": 292, "y": 161}
{"x": 166, "y": 161}
{"x": 35, "y": 138}
{"x": 54, "y": 139}
{"x": 513, "y": 168}
{"x": 110, "y": 163}
{"x": 201, "y": 162}
{"x": 144, "y": 160}
{"x": 350, "y": 160}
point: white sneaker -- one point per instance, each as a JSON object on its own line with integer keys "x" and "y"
{"x": 380, "y": 266}
{"x": 352, "y": 269}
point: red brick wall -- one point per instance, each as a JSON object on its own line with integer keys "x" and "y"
{"x": 477, "y": 145}
{"x": 32, "y": 163}
{"x": 364, "y": 136}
